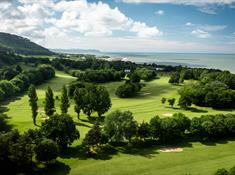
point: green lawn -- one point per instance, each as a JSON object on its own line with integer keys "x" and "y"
{"x": 196, "y": 158}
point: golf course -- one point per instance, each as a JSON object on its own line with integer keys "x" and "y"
{"x": 194, "y": 158}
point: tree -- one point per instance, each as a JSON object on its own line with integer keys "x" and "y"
{"x": 232, "y": 171}
{"x": 49, "y": 102}
{"x": 183, "y": 122}
{"x": 15, "y": 152}
{"x": 102, "y": 100}
{"x": 155, "y": 124}
{"x": 163, "y": 100}
{"x": 32, "y": 94}
{"x": 18, "y": 68}
{"x": 78, "y": 99}
{"x": 129, "y": 89}
{"x": 46, "y": 151}
{"x": 222, "y": 171}
{"x": 134, "y": 78}
{"x": 120, "y": 126}
{"x": 64, "y": 101}
{"x": 171, "y": 102}
{"x": 94, "y": 136}
{"x": 169, "y": 130}
{"x": 175, "y": 78}
{"x": 143, "y": 130}
{"x": 61, "y": 129}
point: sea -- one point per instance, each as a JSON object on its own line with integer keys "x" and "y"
{"x": 206, "y": 60}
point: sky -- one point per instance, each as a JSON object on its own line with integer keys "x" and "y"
{"x": 185, "y": 26}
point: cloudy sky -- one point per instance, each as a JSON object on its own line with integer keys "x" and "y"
{"x": 124, "y": 25}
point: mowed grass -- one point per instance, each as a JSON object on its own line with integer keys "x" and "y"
{"x": 196, "y": 158}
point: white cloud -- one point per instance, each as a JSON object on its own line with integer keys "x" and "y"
{"x": 213, "y": 28}
{"x": 37, "y": 19}
{"x": 189, "y": 24}
{"x": 144, "y": 31}
{"x": 201, "y": 33}
{"x": 160, "y": 12}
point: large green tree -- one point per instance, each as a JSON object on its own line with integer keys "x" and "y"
{"x": 78, "y": 99}
{"x": 46, "y": 151}
{"x": 60, "y": 128}
{"x": 49, "y": 102}
{"x": 64, "y": 101}
{"x": 32, "y": 94}
{"x": 102, "y": 102}
{"x": 120, "y": 126}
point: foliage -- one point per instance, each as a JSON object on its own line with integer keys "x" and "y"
{"x": 163, "y": 100}
{"x": 46, "y": 151}
{"x": 171, "y": 102}
{"x": 95, "y": 136}
{"x": 99, "y": 76}
{"x": 49, "y": 105}
{"x": 120, "y": 126}
{"x": 128, "y": 89}
{"x": 61, "y": 129}
{"x": 33, "y": 98}
{"x": 64, "y": 101}
{"x": 21, "y": 45}
{"x": 145, "y": 74}
{"x": 92, "y": 98}
{"x": 143, "y": 131}
{"x": 175, "y": 78}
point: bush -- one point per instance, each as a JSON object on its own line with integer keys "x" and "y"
{"x": 46, "y": 151}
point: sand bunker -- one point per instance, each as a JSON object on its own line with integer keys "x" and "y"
{"x": 168, "y": 114}
{"x": 171, "y": 150}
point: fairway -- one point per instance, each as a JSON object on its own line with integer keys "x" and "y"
{"x": 196, "y": 158}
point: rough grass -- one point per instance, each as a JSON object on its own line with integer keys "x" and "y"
{"x": 196, "y": 158}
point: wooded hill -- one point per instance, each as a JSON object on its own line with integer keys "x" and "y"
{"x": 20, "y": 45}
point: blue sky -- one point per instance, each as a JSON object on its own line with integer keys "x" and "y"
{"x": 124, "y": 25}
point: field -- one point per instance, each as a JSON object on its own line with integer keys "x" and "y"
{"x": 196, "y": 158}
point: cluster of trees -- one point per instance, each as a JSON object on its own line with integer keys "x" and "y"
{"x": 22, "y": 81}
{"x": 45, "y": 144}
{"x": 145, "y": 74}
{"x": 213, "y": 88}
{"x": 212, "y": 94}
{"x": 128, "y": 89}
{"x": 87, "y": 97}
{"x": 223, "y": 171}
{"x": 121, "y": 126}
{"x": 176, "y": 78}
{"x": 91, "y": 98}
{"x": 99, "y": 76}
{"x": 7, "y": 73}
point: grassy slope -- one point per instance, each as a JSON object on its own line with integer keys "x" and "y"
{"x": 196, "y": 158}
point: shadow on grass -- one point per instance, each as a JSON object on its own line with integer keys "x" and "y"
{"x": 82, "y": 124}
{"x": 93, "y": 119}
{"x": 58, "y": 168}
{"x": 105, "y": 153}
{"x": 192, "y": 109}
{"x": 214, "y": 142}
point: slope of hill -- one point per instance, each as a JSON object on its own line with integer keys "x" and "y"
{"x": 20, "y": 45}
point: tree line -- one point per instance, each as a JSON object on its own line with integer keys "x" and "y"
{"x": 22, "y": 81}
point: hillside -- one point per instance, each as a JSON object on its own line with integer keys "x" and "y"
{"x": 20, "y": 45}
